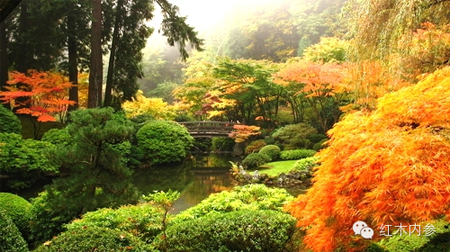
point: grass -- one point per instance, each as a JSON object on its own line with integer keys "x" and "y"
{"x": 276, "y": 168}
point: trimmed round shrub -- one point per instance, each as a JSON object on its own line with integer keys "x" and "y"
{"x": 94, "y": 239}
{"x": 142, "y": 220}
{"x": 296, "y": 154}
{"x": 18, "y": 210}
{"x": 11, "y": 239}
{"x": 255, "y": 160}
{"x": 164, "y": 142}
{"x": 58, "y": 137}
{"x": 272, "y": 151}
{"x": 306, "y": 164}
{"x": 9, "y": 122}
{"x": 248, "y": 197}
{"x": 255, "y": 146}
{"x": 294, "y": 135}
{"x": 251, "y": 230}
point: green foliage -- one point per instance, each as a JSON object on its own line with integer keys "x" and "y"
{"x": 9, "y": 122}
{"x": 18, "y": 210}
{"x": 320, "y": 145}
{"x": 315, "y": 138}
{"x": 329, "y": 49}
{"x": 10, "y": 240}
{"x": 140, "y": 220}
{"x": 98, "y": 176}
{"x": 25, "y": 159}
{"x": 295, "y": 135}
{"x": 306, "y": 164}
{"x": 164, "y": 142}
{"x": 94, "y": 239}
{"x": 272, "y": 151}
{"x": 246, "y": 198}
{"x": 248, "y": 230}
{"x": 255, "y": 146}
{"x": 222, "y": 144}
{"x": 57, "y": 137}
{"x": 439, "y": 241}
{"x": 296, "y": 154}
{"x": 255, "y": 160}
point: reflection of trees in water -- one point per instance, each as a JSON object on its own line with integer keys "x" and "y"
{"x": 204, "y": 185}
{"x": 175, "y": 177}
{"x": 213, "y": 161}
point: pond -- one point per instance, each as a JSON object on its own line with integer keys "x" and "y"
{"x": 196, "y": 178}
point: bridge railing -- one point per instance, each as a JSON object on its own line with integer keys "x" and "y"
{"x": 208, "y": 128}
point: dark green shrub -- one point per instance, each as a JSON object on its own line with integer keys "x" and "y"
{"x": 18, "y": 210}
{"x": 255, "y": 146}
{"x": 11, "y": 239}
{"x": 25, "y": 159}
{"x": 57, "y": 137}
{"x": 294, "y": 135}
{"x": 296, "y": 154}
{"x": 250, "y": 230}
{"x": 164, "y": 142}
{"x": 141, "y": 119}
{"x": 94, "y": 239}
{"x": 306, "y": 164}
{"x": 248, "y": 197}
{"x": 269, "y": 140}
{"x": 315, "y": 138}
{"x": 272, "y": 151}
{"x": 320, "y": 145}
{"x": 255, "y": 160}
{"x": 9, "y": 122}
{"x": 222, "y": 144}
{"x": 142, "y": 220}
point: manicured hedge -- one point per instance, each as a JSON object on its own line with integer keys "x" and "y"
{"x": 94, "y": 239}
{"x": 18, "y": 210}
{"x": 9, "y": 122}
{"x": 255, "y": 159}
{"x": 272, "y": 151}
{"x": 11, "y": 239}
{"x": 249, "y": 230}
{"x": 296, "y": 154}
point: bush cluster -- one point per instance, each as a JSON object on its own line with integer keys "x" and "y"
{"x": 272, "y": 151}
{"x": 9, "y": 122}
{"x": 24, "y": 158}
{"x": 248, "y": 230}
{"x": 58, "y": 137}
{"x": 222, "y": 144}
{"x": 11, "y": 239}
{"x": 140, "y": 220}
{"x": 306, "y": 164}
{"x": 294, "y": 136}
{"x": 296, "y": 154}
{"x": 255, "y": 146}
{"x": 255, "y": 160}
{"x": 320, "y": 145}
{"x": 164, "y": 142}
{"x": 94, "y": 239}
{"x": 248, "y": 197}
{"x": 18, "y": 210}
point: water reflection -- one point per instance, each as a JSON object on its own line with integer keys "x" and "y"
{"x": 195, "y": 178}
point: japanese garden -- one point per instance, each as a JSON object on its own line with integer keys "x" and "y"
{"x": 170, "y": 125}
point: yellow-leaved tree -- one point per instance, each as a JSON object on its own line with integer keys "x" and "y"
{"x": 389, "y": 166}
{"x": 155, "y": 107}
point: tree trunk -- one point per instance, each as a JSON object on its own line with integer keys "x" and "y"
{"x": 73, "y": 62}
{"x": 3, "y": 55}
{"x": 96, "y": 64}
{"x": 112, "y": 55}
{"x": 23, "y": 24}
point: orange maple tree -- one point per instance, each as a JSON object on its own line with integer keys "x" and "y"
{"x": 243, "y": 132}
{"x": 39, "y": 94}
{"x": 388, "y": 166}
{"x": 321, "y": 82}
